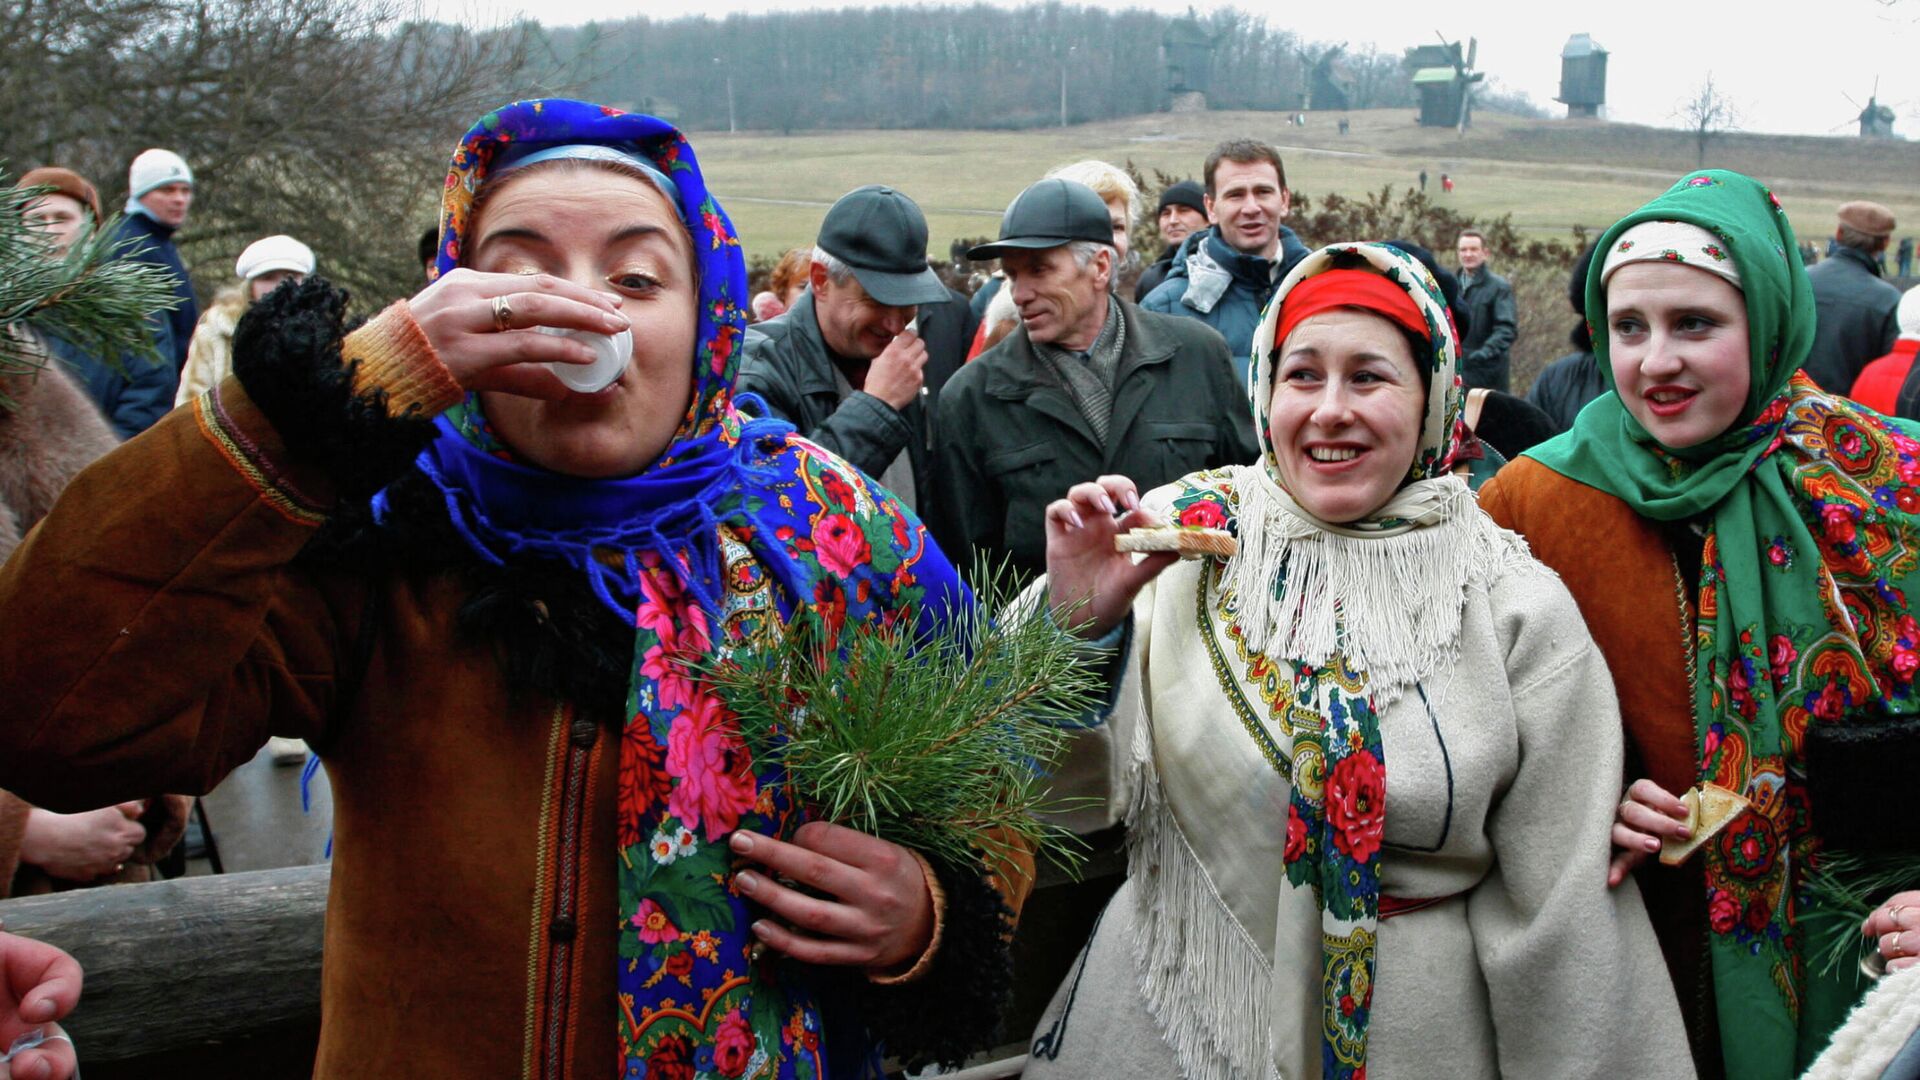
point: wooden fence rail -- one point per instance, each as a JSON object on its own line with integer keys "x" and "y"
{"x": 179, "y": 963}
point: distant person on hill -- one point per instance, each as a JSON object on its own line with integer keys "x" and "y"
{"x": 1423, "y": 181}
{"x": 1225, "y": 275}
{"x": 1183, "y": 212}
{"x": 1446, "y": 184}
{"x": 1856, "y": 305}
{"x": 1905, "y": 258}
{"x": 1878, "y": 387}
{"x": 1567, "y": 384}
{"x": 1489, "y": 301}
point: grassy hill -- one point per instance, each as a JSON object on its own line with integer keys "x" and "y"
{"x": 1550, "y": 175}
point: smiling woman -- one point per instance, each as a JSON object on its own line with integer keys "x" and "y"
{"x": 1367, "y": 763}
{"x": 1775, "y": 527}
{"x": 489, "y": 602}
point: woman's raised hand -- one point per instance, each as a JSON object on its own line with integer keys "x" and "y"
{"x": 1646, "y": 816}
{"x": 1090, "y": 585}
{"x": 480, "y": 325}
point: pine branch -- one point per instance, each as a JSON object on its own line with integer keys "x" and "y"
{"x": 1845, "y": 890}
{"x": 938, "y": 743}
{"x": 93, "y": 301}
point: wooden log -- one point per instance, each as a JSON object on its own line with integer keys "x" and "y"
{"x": 194, "y": 960}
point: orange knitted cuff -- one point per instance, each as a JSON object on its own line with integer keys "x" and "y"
{"x": 921, "y": 965}
{"x": 394, "y": 355}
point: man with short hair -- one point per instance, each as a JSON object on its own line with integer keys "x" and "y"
{"x": 1183, "y": 212}
{"x": 137, "y": 391}
{"x": 847, "y": 363}
{"x": 1089, "y": 384}
{"x": 159, "y": 194}
{"x": 1492, "y": 326}
{"x": 1224, "y": 275}
{"x": 1857, "y": 309}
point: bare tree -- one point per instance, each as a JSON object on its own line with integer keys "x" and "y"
{"x": 1708, "y": 114}
{"x": 327, "y": 119}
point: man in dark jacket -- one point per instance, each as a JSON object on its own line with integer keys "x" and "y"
{"x": 845, "y": 363}
{"x": 137, "y": 391}
{"x": 1567, "y": 384}
{"x": 1183, "y": 212}
{"x": 1225, "y": 275}
{"x": 159, "y": 194}
{"x": 1856, "y": 309}
{"x": 1088, "y": 385}
{"x": 1493, "y": 326}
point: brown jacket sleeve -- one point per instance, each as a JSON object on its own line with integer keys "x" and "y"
{"x": 13, "y": 829}
{"x": 156, "y": 631}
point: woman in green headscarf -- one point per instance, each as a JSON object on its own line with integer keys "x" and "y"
{"x": 1776, "y": 527}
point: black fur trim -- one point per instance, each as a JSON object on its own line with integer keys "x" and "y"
{"x": 286, "y": 352}
{"x": 954, "y": 1009}
{"x": 550, "y": 634}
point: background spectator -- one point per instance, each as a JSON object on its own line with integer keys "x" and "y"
{"x": 159, "y": 195}
{"x": 263, "y": 266}
{"x": 1183, "y": 212}
{"x": 1856, "y": 305}
{"x": 1493, "y": 326}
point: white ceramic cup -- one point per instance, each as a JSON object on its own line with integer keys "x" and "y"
{"x": 611, "y": 353}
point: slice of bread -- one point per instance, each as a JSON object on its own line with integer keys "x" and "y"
{"x": 1709, "y": 808}
{"x": 1187, "y": 543}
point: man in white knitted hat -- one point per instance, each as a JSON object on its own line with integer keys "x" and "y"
{"x": 159, "y": 194}
{"x": 261, "y": 268}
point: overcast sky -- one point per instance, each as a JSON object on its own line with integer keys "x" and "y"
{"x": 1782, "y": 75}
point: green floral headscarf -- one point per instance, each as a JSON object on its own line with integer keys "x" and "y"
{"x": 1811, "y": 549}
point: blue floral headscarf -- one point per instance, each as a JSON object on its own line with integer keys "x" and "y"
{"x": 739, "y": 524}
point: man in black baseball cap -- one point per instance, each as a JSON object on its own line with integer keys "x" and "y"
{"x": 1088, "y": 385}
{"x": 847, "y": 364}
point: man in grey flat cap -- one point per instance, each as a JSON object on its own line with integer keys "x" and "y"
{"x": 1856, "y": 307}
{"x": 849, "y": 364}
{"x": 1088, "y": 384}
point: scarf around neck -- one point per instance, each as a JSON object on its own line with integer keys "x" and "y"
{"x": 1358, "y": 613}
{"x": 1811, "y": 507}
{"x": 738, "y": 525}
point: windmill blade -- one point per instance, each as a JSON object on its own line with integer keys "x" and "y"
{"x": 1850, "y": 100}
{"x": 1473, "y": 50}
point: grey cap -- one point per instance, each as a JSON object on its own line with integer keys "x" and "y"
{"x": 1047, "y": 215}
{"x": 882, "y": 237}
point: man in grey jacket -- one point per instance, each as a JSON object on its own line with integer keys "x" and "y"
{"x": 1087, "y": 385}
{"x": 847, "y": 364}
{"x": 1856, "y": 308}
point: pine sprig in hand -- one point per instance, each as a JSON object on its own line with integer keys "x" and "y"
{"x": 938, "y": 743}
{"x": 97, "y": 303}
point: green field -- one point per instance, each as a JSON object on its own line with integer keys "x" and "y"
{"x": 1550, "y": 175}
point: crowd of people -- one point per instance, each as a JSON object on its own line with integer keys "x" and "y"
{"x": 1677, "y": 568}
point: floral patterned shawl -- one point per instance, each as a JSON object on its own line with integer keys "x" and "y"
{"x": 1811, "y": 505}
{"x": 738, "y": 523}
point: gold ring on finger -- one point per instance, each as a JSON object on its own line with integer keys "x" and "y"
{"x": 502, "y": 314}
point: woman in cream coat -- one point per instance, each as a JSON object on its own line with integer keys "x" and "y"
{"x": 1368, "y": 764}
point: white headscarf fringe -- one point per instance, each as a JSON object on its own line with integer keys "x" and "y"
{"x": 1205, "y": 980}
{"x": 1389, "y": 602}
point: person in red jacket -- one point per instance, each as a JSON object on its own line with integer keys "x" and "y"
{"x": 1879, "y": 383}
